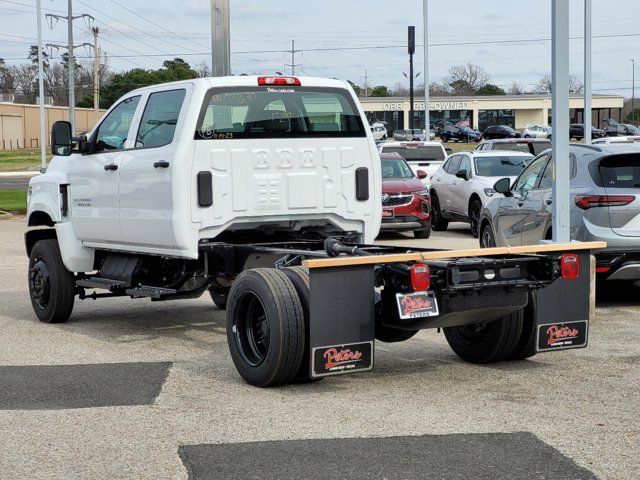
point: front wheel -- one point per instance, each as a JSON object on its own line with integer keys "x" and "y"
{"x": 265, "y": 327}
{"x": 486, "y": 343}
{"x": 424, "y": 233}
{"x": 438, "y": 222}
{"x": 486, "y": 237}
{"x": 474, "y": 217}
{"x": 52, "y": 287}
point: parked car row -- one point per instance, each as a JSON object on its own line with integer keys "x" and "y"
{"x": 605, "y": 188}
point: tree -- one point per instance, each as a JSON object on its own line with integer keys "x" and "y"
{"x": 380, "y": 91}
{"x": 6, "y": 78}
{"x": 202, "y": 69}
{"x": 25, "y": 81}
{"x": 400, "y": 90}
{"x": 33, "y": 56}
{"x": 439, "y": 89}
{"x": 122, "y": 83}
{"x": 466, "y": 79}
{"x": 631, "y": 118}
{"x": 355, "y": 87}
{"x": 545, "y": 85}
{"x": 515, "y": 89}
{"x": 490, "y": 89}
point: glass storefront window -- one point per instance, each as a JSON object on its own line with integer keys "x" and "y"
{"x": 487, "y": 118}
{"x": 392, "y": 120}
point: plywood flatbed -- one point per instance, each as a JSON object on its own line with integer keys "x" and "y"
{"x": 442, "y": 254}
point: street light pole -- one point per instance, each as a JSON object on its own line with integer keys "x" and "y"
{"x": 587, "y": 72}
{"x": 43, "y": 129}
{"x": 560, "y": 120}
{"x": 220, "y": 38}
{"x": 427, "y": 123}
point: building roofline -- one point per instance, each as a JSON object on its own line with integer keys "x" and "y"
{"x": 455, "y": 98}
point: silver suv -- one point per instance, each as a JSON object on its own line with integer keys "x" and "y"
{"x": 605, "y": 189}
{"x": 464, "y": 184}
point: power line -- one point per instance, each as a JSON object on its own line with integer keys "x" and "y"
{"x": 159, "y": 26}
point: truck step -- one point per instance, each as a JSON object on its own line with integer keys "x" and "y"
{"x": 104, "y": 283}
{"x": 151, "y": 292}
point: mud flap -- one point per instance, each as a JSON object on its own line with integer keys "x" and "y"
{"x": 564, "y": 309}
{"x": 342, "y": 320}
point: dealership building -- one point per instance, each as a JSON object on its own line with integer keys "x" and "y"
{"x": 483, "y": 111}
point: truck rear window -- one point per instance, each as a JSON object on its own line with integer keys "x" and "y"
{"x": 412, "y": 154}
{"x": 278, "y": 112}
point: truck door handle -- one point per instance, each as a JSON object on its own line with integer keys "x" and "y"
{"x": 111, "y": 167}
{"x": 161, "y": 164}
{"x": 549, "y": 201}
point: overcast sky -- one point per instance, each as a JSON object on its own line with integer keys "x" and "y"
{"x": 460, "y": 31}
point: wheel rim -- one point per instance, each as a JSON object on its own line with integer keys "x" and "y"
{"x": 251, "y": 329}
{"x": 39, "y": 284}
{"x": 435, "y": 210}
{"x": 472, "y": 334}
{"x": 487, "y": 241}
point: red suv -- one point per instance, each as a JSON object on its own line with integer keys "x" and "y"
{"x": 406, "y": 205}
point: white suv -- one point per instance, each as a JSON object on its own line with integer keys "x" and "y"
{"x": 465, "y": 181}
{"x": 425, "y": 156}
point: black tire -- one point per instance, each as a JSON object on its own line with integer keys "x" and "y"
{"x": 52, "y": 287}
{"x": 526, "y": 347}
{"x": 384, "y": 333}
{"x": 487, "y": 343}
{"x": 299, "y": 276}
{"x": 445, "y": 139}
{"x": 527, "y": 136}
{"x": 219, "y": 298}
{"x": 486, "y": 237}
{"x": 265, "y": 327}
{"x": 424, "y": 233}
{"x": 438, "y": 222}
{"x": 474, "y": 217}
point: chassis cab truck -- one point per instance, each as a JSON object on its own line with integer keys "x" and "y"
{"x": 265, "y": 192}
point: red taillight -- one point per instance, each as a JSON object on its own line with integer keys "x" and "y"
{"x": 420, "y": 277}
{"x": 570, "y": 266}
{"x": 585, "y": 202}
{"x": 602, "y": 269}
{"x": 279, "y": 81}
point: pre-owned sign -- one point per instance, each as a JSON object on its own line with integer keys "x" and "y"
{"x": 432, "y": 106}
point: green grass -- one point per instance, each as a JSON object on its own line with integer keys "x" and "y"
{"x": 460, "y": 147}
{"x": 17, "y": 160}
{"x": 14, "y": 201}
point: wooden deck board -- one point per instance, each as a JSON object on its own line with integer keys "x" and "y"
{"x": 343, "y": 261}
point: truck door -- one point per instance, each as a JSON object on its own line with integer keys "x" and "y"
{"x": 93, "y": 190}
{"x": 146, "y": 197}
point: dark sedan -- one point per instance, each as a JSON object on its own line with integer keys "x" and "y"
{"x": 500, "y": 131}
{"x": 576, "y": 130}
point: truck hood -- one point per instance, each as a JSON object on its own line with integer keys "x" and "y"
{"x": 400, "y": 185}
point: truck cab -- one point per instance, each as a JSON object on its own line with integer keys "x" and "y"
{"x": 171, "y": 165}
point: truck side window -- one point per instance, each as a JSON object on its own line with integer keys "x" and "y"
{"x": 112, "y": 132}
{"x": 160, "y": 118}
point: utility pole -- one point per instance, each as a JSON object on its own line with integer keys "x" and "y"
{"x": 366, "y": 83}
{"x": 293, "y": 52}
{"x": 587, "y": 72}
{"x": 427, "y": 122}
{"x": 412, "y": 49}
{"x": 71, "y": 62}
{"x": 96, "y": 73}
{"x": 220, "y": 38}
{"x": 633, "y": 91}
{"x": 43, "y": 129}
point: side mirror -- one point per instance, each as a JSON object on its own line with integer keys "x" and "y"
{"x": 421, "y": 174}
{"x": 61, "y": 142}
{"x": 503, "y": 186}
{"x": 463, "y": 174}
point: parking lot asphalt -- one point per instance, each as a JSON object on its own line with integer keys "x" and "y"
{"x": 147, "y": 390}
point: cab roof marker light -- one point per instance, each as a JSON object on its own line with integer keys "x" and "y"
{"x": 279, "y": 81}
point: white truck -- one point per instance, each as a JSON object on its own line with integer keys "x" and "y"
{"x": 266, "y": 193}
